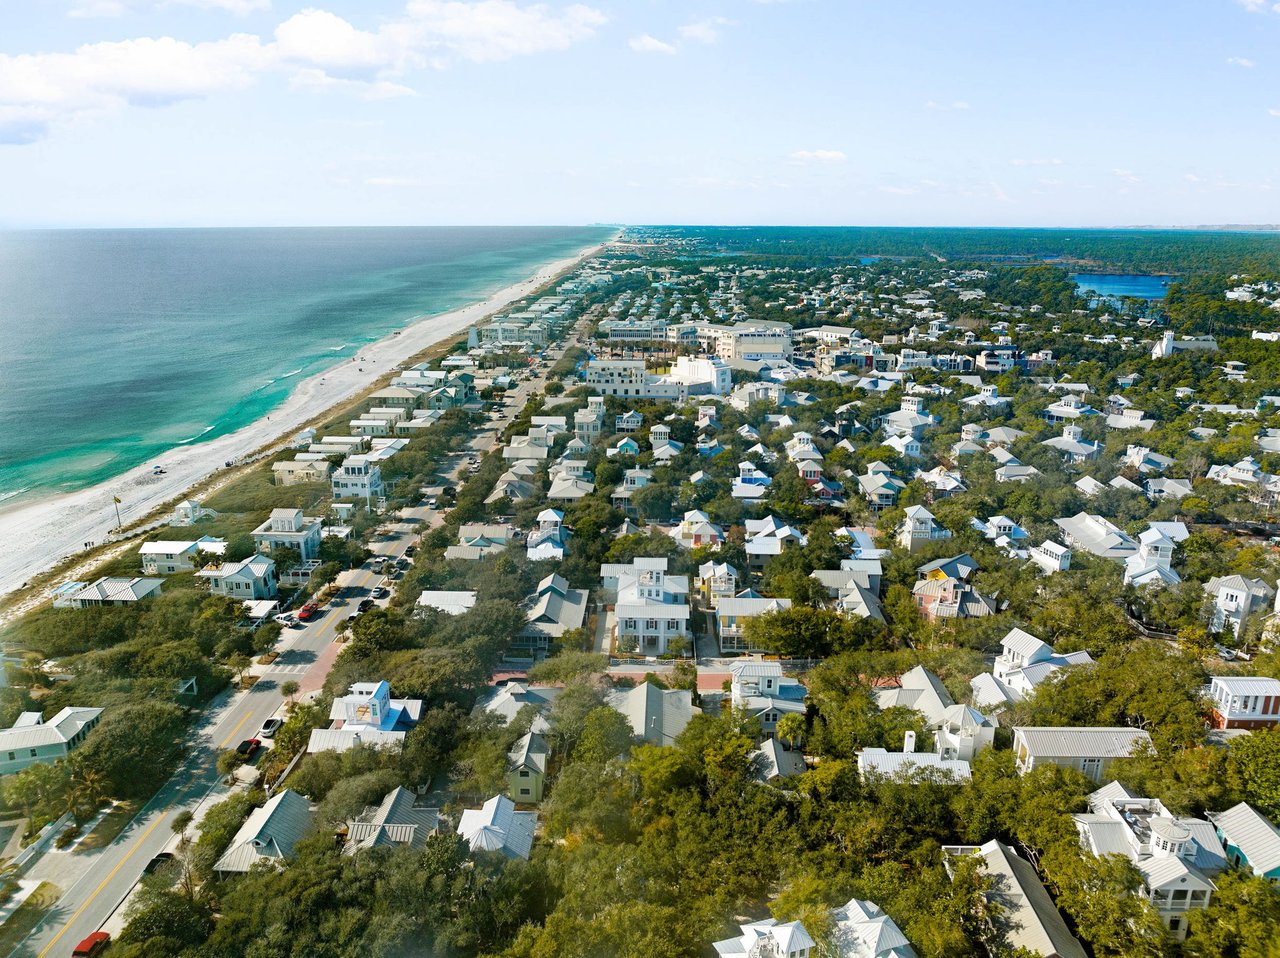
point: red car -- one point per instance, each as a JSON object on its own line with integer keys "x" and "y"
{"x": 306, "y": 613}
{"x": 92, "y": 946}
{"x": 248, "y": 748}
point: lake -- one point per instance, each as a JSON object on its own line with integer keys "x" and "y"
{"x": 1114, "y": 285}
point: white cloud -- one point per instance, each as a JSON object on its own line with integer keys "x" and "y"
{"x": 1241, "y": 62}
{"x": 1038, "y": 161}
{"x": 645, "y": 43}
{"x": 320, "y": 52}
{"x": 392, "y": 181}
{"x": 1260, "y": 6}
{"x": 98, "y": 8}
{"x": 953, "y": 105}
{"x": 498, "y": 29}
{"x": 1274, "y": 112}
{"x": 706, "y": 30}
{"x": 239, "y": 7}
{"x": 818, "y": 156}
{"x": 1127, "y": 176}
{"x": 1191, "y": 178}
{"x": 900, "y": 190}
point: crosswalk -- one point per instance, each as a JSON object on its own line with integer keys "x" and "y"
{"x": 296, "y": 669}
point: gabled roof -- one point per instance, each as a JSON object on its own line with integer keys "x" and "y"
{"x": 1034, "y": 921}
{"x": 656, "y": 715}
{"x": 397, "y": 821}
{"x": 270, "y": 832}
{"x": 1258, "y": 840}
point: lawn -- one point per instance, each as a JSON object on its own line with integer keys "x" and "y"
{"x": 28, "y": 915}
{"x": 112, "y": 825}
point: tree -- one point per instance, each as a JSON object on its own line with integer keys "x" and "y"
{"x": 1242, "y": 920}
{"x": 568, "y": 715}
{"x": 239, "y": 664}
{"x": 290, "y": 690}
{"x": 606, "y": 735}
{"x": 791, "y": 728}
{"x": 1253, "y": 762}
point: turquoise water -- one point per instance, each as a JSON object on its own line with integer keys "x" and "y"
{"x": 1115, "y": 285}
{"x": 116, "y": 345}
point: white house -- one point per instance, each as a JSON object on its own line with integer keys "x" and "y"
{"x": 652, "y": 608}
{"x": 358, "y": 478}
{"x": 919, "y": 529}
{"x": 763, "y": 691}
{"x": 251, "y": 578}
{"x": 1235, "y": 598}
{"x": 366, "y": 715}
{"x": 1174, "y": 855}
{"x": 959, "y": 732}
{"x": 733, "y": 613}
{"x": 1087, "y": 750}
{"x": 1023, "y": 663}
{"x": 32, "y": 740}
{"x": 1241, "y": 701}
{"x": 166, "y": 556}
{"x": 289, "y": 528}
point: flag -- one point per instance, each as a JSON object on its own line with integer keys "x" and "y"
{"x": 116, "y": 500}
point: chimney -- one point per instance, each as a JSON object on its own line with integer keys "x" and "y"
{"x": 909, "y": 743}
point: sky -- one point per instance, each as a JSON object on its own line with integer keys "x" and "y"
{"x": 130, "y": 113}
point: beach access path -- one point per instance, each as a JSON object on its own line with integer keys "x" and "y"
{"x": 39, "y": 535}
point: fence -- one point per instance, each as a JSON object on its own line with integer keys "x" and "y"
{"x": 37, "y": 848}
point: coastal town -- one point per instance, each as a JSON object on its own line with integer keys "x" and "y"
{"x": 711, "y": 599}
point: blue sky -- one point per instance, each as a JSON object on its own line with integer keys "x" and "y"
{"x": 897, "y": 112}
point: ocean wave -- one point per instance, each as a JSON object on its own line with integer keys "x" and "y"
{"x": 5, "y": 496}
{"x": 294, "y": 373}
{"x": 336, "y": 348}
{"x": 183, "y": 442}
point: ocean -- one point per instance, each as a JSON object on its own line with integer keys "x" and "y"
{"x": 116, "y": 345}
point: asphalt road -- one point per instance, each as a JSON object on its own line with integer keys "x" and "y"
{"x": 101, "y": 879}
{"x": 96, "y": 882}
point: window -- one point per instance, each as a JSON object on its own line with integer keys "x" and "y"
{"x": 34, "y": 753}
{"x": 1179, "y": 896}
{"x": 12, "y": 756}
{"x": 651, "y": 625}
{"x": 524, "y": 791}
{"x": 1175, "y": 924}
{"x": 524, "y": 773}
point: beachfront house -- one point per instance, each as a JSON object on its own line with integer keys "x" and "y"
{"x": 290, "y": 529}
{"x": 168, "y": 556}
{"x": 32, "y": 740}
{"x": 358, "y": 478}
{"x": 251, "y": 578}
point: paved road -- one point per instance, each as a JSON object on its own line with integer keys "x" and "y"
{"x": 96, "y": 882}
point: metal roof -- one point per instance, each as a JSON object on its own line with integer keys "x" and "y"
{"x": 1258, "y": 840}
{"x": 1107, "y": 742}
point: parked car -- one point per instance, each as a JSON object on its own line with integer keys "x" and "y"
{"x": 365, "y": 605}
{"x": 307, "y": 612}
{"x": 157, "y": 863}
{"x": 380, "y": 592}
{"x": 286, "y": 619}
{"x": 270, "y": 727}
{"x": 411, "y": 550}
{"x": 92, "y": 946}
{"x": 432, "y": 503}
{"x": 402, "y": 563}
{"x": 248, "y": 748}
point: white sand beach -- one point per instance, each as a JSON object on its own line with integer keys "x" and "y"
{"x": 39, "y": 535}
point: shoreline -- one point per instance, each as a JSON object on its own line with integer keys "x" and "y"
{"x": 40, "y": 534}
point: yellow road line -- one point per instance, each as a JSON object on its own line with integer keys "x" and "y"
{"x": 97, "y": 891}
{"x": 228, "y": 739}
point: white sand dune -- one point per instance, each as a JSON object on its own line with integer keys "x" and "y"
{"x": 37, "y": 535}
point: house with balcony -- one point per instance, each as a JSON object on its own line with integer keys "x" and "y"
{"x": 696, "y": 529}
{"x": 1176, "y": 856}
{"x": 166, "y": 556}
{"x": 733, "y": 614}
{"x": 880, "y": 487}
{"x": 550, "y": 611}
{"x": 1097, "y": 536}
{"x": 652, "y": 609}
{"x": 366, "y": 715}
{"x": 760, "y": 688}
{"x": 769, "y": 537}
{"x": 959, "y": 731}
{"x": 1240, "y": 701}
{"x": 716, "y": 581}
{"x": 251, "y": 578}
{"x": 1152, "y": 564}
{"x": 1235, "y": 598}
{"x": 919, "y": 529}
{"x": 289, "y": 528}
{"x": 1072, "y": 445}
{"x": 1023, "y": 663}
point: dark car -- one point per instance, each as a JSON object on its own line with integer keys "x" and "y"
{"x": 365, "y": 605}
{"x": 270, "y": 727}
{"x": 157, "y": 863}
{"x": 402, "y": 563}
{"x": 411, "y": 551}
{"x": 248, "y": 748}
{"x": 92, "y": 946}
{"x": 396, "y": 574}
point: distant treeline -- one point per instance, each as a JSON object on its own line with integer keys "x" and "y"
{"x": 1141, "y": 251}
